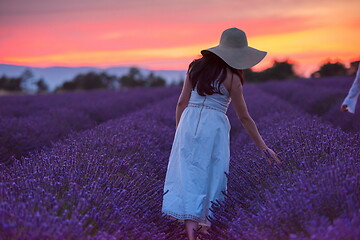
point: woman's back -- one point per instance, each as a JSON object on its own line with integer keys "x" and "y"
{"x": 216, "y": 101}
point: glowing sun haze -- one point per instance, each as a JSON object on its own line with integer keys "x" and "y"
{"x": 163, "y": 34}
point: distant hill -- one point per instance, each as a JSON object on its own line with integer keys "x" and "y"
{"x": 55, "y": 76}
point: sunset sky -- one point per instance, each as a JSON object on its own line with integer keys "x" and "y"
{"x": 166, "y": 34}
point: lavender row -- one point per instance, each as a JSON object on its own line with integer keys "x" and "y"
{"x": 318, "y": 99}
{"x": 347, "y": 121}
{"x": 107, "y": 182}
{"x": 102, "y": 183}
{"x": 26, "y": 105}
{"x": 342, "y": 83}
{"x": 50, "y": 117}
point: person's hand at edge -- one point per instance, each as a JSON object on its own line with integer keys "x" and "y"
{"x": 344, "y": 108}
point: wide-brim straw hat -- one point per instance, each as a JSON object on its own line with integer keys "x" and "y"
{"x": 234, "y": 50}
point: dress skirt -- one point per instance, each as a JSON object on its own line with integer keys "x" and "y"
{"x": 197, "y": 164}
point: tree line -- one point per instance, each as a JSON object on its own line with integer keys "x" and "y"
{"x": 26, "y": 82}
{"x": 91, "y": 80}
{"x": 87, "y": 81}
{"x": 280, "y": 70}
{"x": 284, "y": 70}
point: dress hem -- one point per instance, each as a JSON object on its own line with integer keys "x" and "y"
{"x": 182, "y": 217}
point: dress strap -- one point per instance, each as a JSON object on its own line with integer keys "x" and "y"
{"x": 223, "y": 86}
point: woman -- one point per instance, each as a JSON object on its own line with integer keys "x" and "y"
{"x": 349, "y": 103}
{"x": 200, "y": 152}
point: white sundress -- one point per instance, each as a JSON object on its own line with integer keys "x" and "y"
{"x": 199, "y": 158}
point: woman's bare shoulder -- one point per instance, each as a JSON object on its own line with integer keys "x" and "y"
{"x": 230, "y": 80}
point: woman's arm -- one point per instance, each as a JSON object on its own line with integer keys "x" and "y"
{"x": 236, "y": 94}
{"x": 243, "y": 114}
{"x": 183, "y": 99}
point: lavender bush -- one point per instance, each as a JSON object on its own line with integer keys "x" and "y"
{"x": 90, "y": 102}
{"x": 322, "y": 97}
{"x": 29, "y": 123}
{"x": 337, "y": 82}
{"x": 107, "y": 182}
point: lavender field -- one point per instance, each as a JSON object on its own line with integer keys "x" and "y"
{"x": 30, "y": 123}
{"x": 92, "y": 165}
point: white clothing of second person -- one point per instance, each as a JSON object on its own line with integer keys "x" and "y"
{"x": 353, "y": 94}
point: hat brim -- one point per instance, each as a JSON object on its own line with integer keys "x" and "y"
{"x": 238, "y": 58}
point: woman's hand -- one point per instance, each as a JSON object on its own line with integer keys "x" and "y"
{"x": 270, "y": 156}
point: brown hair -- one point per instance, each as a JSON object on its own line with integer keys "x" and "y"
{"x": 203, "y": 73}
